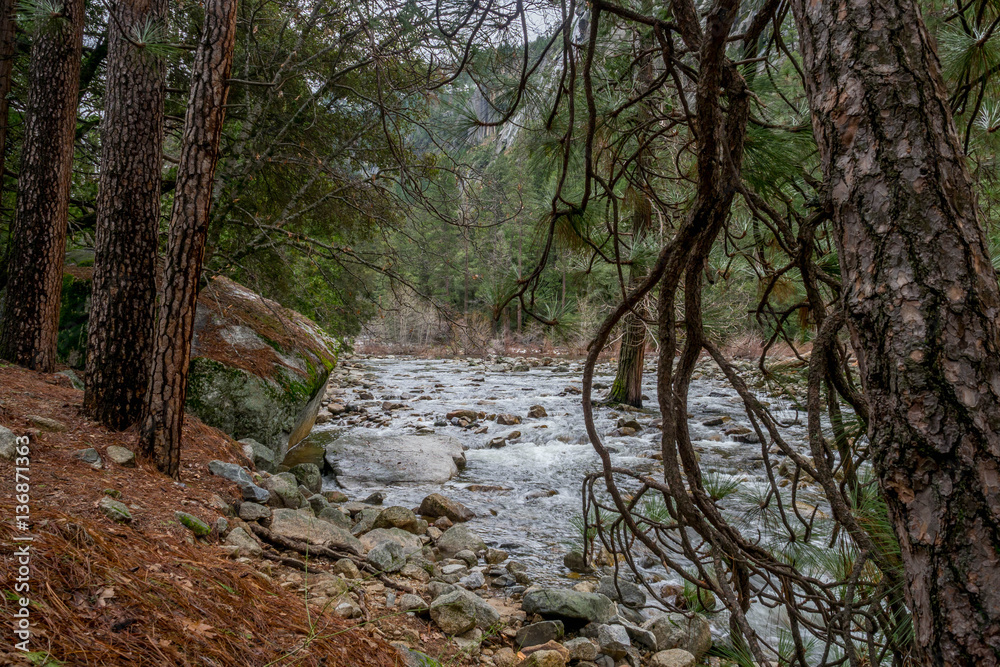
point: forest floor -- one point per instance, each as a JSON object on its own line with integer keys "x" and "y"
{"x": 147, "y": 592}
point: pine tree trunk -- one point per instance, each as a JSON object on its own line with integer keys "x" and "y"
{"x": 627, "y": 387}
{"x": 120, "y": 330}
{"x": 7, "y": 45}
{"x": 30, "y": 321}
{"x": 161, "y": 429}
{"x": 922, "y": 301}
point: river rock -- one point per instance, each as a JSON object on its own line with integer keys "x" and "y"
{"x": 468, "y": 556}
{"x": 347, "y": 568}
{"x": 411, "y": 602}
{"x": 575, "y": 562}
{"x": 436, "y": 505}
{"x": 459, "y": 538}
{"x": 308, "y": 475}
{"x": 387, "y": 556}
{"x": 508, "y": 420}
{"x": 543, "y": 659}
{"x": 397, "y": 517}
{"x": 505, "y": 657}
{"x": 90, "y": 456}
{"x": 254, "y": 512}
{"x": 539, "y": 633}
{"x": 334, "y": 516}
{"x": 408, "y": 541}
{"x": 244, "y": 543}
{"x": 537, "y": 412}
{"x": 675, "y": 657}
{"x": 366, "y": 456}
{"x": 581, "y": 648}
{"x": 297, "y": 526}
{"x": 467, "y": 415}
{"x": 613, "y": 640}
{"x": 569, "y": 604}
{"x": 230, "y": 471}
{"x": 121, "y": 456}
{"x": 625, "y": 592}
{"x": 674, "y": 630}
{"x": 260, "y": 454}
{"x": 284, "y": 491}
{"x": 472, "y": 581}
{"x": 317, "y": 503}
{"x": 459, "y": 611}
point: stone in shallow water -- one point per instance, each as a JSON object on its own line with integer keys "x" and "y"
{"x": 459, "y": 538}
{"x": 437, "y": 505}
{"x": 365, "y": 456}
{"x": 569, "y": 604}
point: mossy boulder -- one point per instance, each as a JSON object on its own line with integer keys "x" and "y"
{"x": 257, "y": 370}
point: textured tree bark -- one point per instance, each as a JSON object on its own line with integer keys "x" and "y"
{"x": 627, "y": 387}
{"x": 30, "y": 320}
{"x": 160, "y": 435}
{"x": 7, "y": 45}
{"x": 120, "y": 330}
{"x": 922, "y": 300}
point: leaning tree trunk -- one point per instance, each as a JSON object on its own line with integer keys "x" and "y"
{"x": 164, "y": 415}
{"x": 120, "y": 330}
{"x": 30, "y": 320}
{"x": 922, "y": 301}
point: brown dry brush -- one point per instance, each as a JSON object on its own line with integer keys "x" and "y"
{"x": 116, "y": 597}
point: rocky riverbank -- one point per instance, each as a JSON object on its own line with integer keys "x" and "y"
{"x": 429, "y": 563}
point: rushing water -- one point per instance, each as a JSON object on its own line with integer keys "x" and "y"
{"x": 540, "y": 475}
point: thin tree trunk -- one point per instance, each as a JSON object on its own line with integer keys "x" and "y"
{"x": 922, "y": 301}
{"x": 627, "y": 387}
{"x": 120, "y": 329}
{"x": 161, "y": 429}
{"x": 7, "y": 49}
{"x": 30, "y": 320}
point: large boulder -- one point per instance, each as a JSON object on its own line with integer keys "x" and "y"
{"x": 460, "y": 611}
{"x": 296, "y": 525}
{"x": 368, "y": 456}
{"x": 257, "y": 370}
{"x": 565, "y": 603}
{"x": 459, "y": 538}
{"x": 674, "y": 630}
{"x": 436, "y": 505}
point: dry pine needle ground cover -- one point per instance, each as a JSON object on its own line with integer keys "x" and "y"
{"x": 141, "y": 593}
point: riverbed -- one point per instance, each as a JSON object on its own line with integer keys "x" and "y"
{"x": 526, "y": 495}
